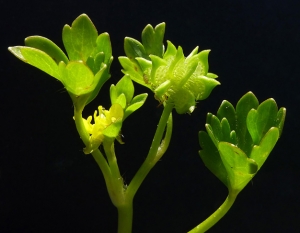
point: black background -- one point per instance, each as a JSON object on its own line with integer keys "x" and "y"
{"x": 48, "y": 185}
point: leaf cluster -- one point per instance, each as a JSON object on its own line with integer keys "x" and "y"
{"x": 239, "y": 140}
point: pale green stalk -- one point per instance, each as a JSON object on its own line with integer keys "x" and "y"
{"x": 151, "y": 160}
{"x": 217, "y": 215}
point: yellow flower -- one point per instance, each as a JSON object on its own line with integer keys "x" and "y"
{"x": 106, "y": 123}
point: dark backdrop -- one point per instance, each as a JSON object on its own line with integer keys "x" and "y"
{"x": 48, "y": 185}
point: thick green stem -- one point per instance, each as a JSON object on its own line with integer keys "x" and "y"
{"x": 151, "y": 157}
{"x": 125, "y": 213}
{"x": 217, "y": 215}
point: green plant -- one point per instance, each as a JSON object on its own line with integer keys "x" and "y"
{"x": 237, "y": 142}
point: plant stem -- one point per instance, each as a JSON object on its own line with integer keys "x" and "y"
{"x": 125, "y": 213}
{"x": 98, "y": 156}
{"x": 217, "y": 215}
{"x": 151, "y": 157}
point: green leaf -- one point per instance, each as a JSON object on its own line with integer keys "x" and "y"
{"x": 261, "y": 152}
{"x": 134, "y": 48}
{"x": 184, "y": 101}
{"x": 239, "y": 167}
{"x": 145, "y": 65}
{"x": 121, "y": 100}
{"x": 244, "y": 105}
{"x": 170, "y": 52}
{"x": 211, "y": 75}
{"x": 203, "y": 59}
{"x": 113, "y": 94}
{"x": 100, "y": 78}
{"x": 103, "y": 46}
{"x": 201, "y": 86}
{"x": 156, "y": 75}
{"x": 225, "y": 130}
{"x": 126, "y": 87}
{"x": 162, "y": 88}
{"x": 261, "y": 120}
{"x": 135, "y": 104}
{"x": 77, "y": 78}
{"x": 280, "y": 119}
{"x": 211, "y": 157}
{"x": 80, "y": 39}
{"x": 226, "y": 110}
{"x": 152, "y": 39}
{"x": 99, "y": 59}
{"x": 133, "y": 70}
{"x": 216, "y": 129}
{"x": 193, "y": 53}
{"x": 36, "y": 58}
{"x": 47, "y": 46}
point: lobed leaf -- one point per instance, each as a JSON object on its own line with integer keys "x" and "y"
{"x": 48, "y": 47}
{"x": 244, "y": 105}
{"x": 211, "y": 157}
{"x": 77, "y": 78}
{"x": 261, "y": 152}
{"x": 80, "y": 39}
{"x": 280, "y": 119}
{"x": 134, "y": 48}
{"x": 152, "y": 39}
{"x": 103, "y": 45}
{"x": 100, "y": 78}
{"x": 36, "y": 58}
{"x": 239, "y": 167}
{"x": 126, "y": 87}
{"x": 226, "y": 110}
{"x": 135, "y": 104}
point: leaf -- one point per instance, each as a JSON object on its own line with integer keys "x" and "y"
{"x": 193, "y": 53}
{"x": 216, "y": 129}
{"x": 162, "y": 88}
{"x": 126, "y": 87}
{"x": 100, "y": 78}
{"x": 239, "y": 167}
{"x": 203, "y": 59}
{"x": 261, "y": 152}
{"x": 113, "y": 94}
{"x": 134, "y": 48}
{"x": 225, "y": 130}
{"x": 77, "y": 78}
{"x": 201, "y": 86}
{"x": 121, "y": 100}
{"x": 135, "y": 104}
{"x": 211, "y": 75}
{"x": 157, "y": 62}
{"x": 36, "y": 58}
{"x": 152, "y": 39}
{"x": 261, "y": 120}
{"x": 280, "y": 119}
{"x": 145, "y": 65}
{"x": 103, "y": 46}
{"x": 171, "y": 51}
{"x": 226, "y": 110}
{"x": 244, "y": 105}
{"x": 133, "y": 70}
{"x": 80, "y": 39}
{"x": 211, "y": 157}
{"x": 47, "y": 46}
